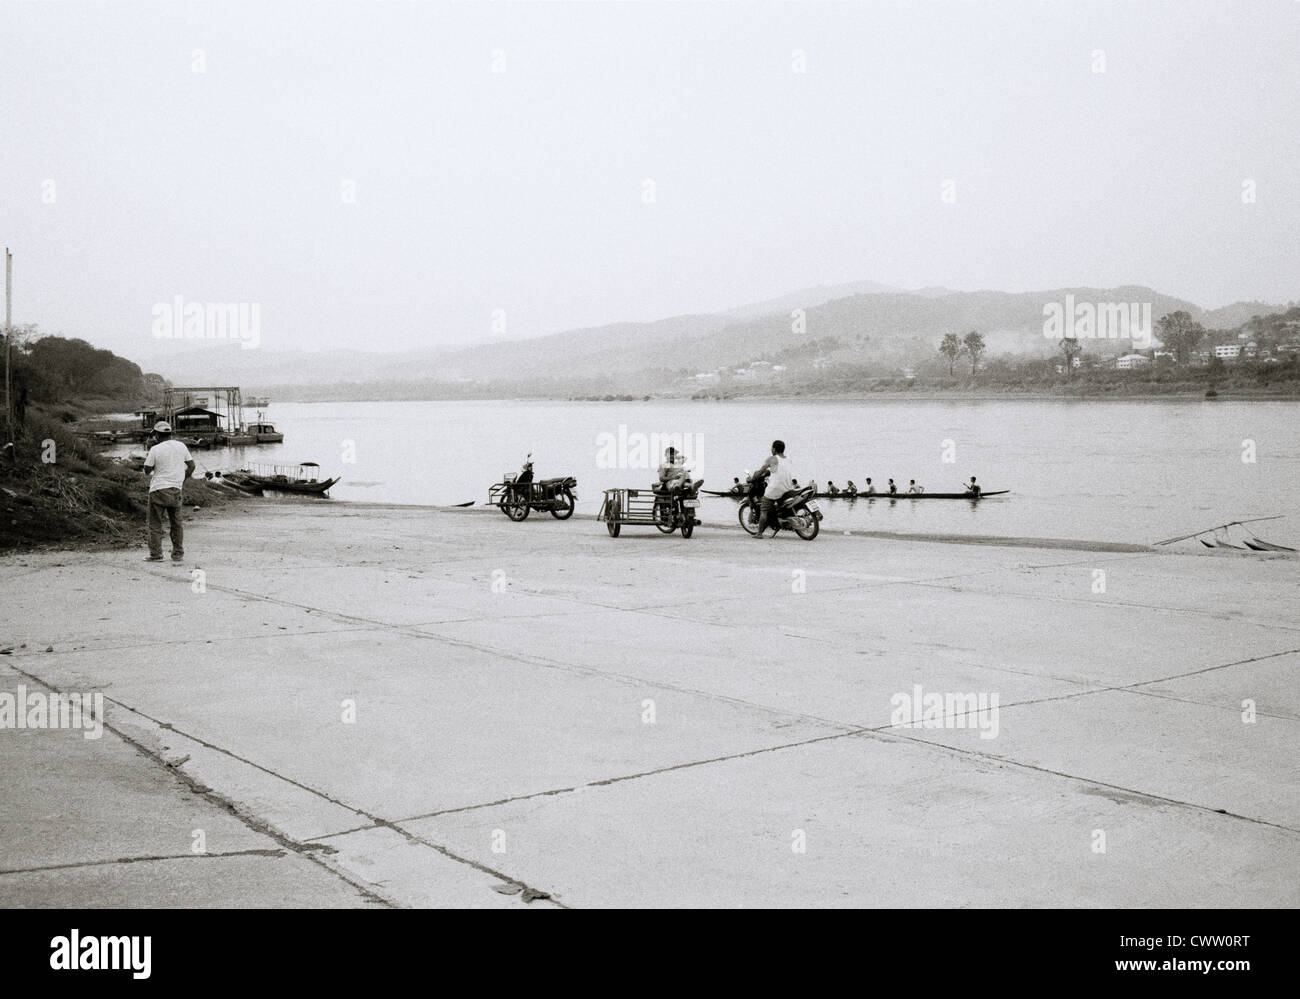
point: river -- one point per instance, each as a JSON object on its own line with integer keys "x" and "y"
{"x": 1131, "y": 470}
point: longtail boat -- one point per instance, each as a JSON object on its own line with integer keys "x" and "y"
{"x": 876, "y": 496}
{"x": 303, "y": 478}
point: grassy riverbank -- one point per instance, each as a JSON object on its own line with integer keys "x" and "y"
{"x": 59, "y": 492}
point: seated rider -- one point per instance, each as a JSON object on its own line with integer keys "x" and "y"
{"x": 832, "y": 488}
{"x": 780, "y": 481}
{"x": 526, "y": 475}
{"x": 851, "y": 489}
{"x": 912, "y": 487}
{"x": 672, "y": 473}
{"x": 973, "y": 487}
{"x": 893, "y": 489}
{"x": 737, "y": 487}
{"x": 869, "y": 489}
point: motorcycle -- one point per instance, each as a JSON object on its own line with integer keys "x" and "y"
{"x": 796, "y": 511}
{"x": 675, "y": 507}
{"x": 516, "y": 495}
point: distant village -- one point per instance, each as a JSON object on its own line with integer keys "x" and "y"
{"x": 1271, "y": 340}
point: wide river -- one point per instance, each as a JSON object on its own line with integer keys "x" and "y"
{"x": 1111, "y": 471}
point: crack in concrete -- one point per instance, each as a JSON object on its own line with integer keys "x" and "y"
{"x": 1211, "y": 669}
{"x": 164, "y": 643}
{"x": 299, "y": 847}
{"x": 143, "y": 859}
{"x": 254, "y": 823}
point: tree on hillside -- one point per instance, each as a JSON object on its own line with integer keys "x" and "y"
{"x": 1179, "y": 332}
{"x": 1071, "y": 348}
{"x": 950, "y": 348}
{"x": 74, "y": 367}
{"x": 974, "y": 344}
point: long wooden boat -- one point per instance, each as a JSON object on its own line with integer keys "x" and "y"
{"x": 301, "y": 479}
{"x": 876, "y": 496}
{"x": 283, "y": 484}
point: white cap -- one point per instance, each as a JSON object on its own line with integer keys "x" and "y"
{"x": 162, "y": 427}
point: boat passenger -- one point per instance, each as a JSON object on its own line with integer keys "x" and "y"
{"x": 868, "y": 489}
{"x": 737, "y": 487}
{"x": 831, "y": 488}
{"x": 850, "y": 489}
{"x": 913, "y": 488}
{"x": 893, "y": 489}
{"x": 973, "y": 487}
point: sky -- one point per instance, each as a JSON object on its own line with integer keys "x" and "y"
{"x": 391, "y": 175}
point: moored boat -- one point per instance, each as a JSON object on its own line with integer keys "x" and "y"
{"x": 265, "y": 433}
{"x": 303, "y": 478}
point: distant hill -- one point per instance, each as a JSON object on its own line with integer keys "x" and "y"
{"x": 858, "y": 323}
{"x": 224, "y": 362}
{"x": 1237, "y": 314}
{"x": 807, "y": 298}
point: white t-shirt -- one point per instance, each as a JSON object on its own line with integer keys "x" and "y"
{"x": 781, "y": 481}
{"x": 167, "y": 460}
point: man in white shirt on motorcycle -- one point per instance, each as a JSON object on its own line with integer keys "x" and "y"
{"x": 780, "y": 480}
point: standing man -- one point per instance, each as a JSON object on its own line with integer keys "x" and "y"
{"x": 168, "y": 464}
{"x": 780, "y": 480}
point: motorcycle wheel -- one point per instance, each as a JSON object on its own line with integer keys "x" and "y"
{"x": 688, "y": 529}
{"x": 563, "y": 509}
{"x": 515, "y": 508}
{"x": 805, "y": 524}
{"x": 744, "y": 518}
{"x": 613, "y": 527}
{"x": 665, "y": 516}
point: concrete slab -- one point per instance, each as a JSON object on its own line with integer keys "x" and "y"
{"x": 250, "y": 882}
{"x": 880, "y": 823}
{"x": 1201, "y": 754}
{"x": 649, "y": 720}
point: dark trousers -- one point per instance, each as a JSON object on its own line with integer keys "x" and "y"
{"x": 165, "y": 505}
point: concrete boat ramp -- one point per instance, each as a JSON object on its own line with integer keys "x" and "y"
{"x": 339, "y": 705}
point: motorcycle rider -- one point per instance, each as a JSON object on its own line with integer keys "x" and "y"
{"x": 672, "y": 473}
{"x": 780, "y": 480}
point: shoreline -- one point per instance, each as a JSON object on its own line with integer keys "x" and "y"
{"x": 248, "y": 508}
{"x": 926, "y": 395}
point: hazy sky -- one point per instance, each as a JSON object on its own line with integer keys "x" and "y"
{"x": 524, "y": 189}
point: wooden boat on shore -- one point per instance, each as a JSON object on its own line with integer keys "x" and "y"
{"x": 303, "y": 478}
{"x": 1217, "y": 537}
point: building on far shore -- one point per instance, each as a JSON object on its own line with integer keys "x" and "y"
{"x": 1129, "y": 361}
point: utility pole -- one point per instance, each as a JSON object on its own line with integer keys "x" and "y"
{"x": 9, "y": 337}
